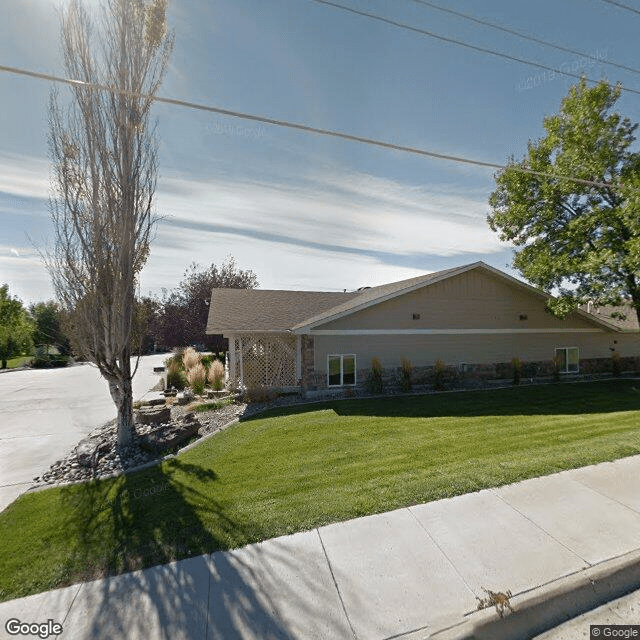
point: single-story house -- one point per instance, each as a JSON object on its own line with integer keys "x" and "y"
{"x": 473, "y": 318}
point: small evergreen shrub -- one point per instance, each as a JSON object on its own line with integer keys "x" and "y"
{"x": 374, "y": 378}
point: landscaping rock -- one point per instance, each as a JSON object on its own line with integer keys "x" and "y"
{"x": 154, "y": 415}
{"x": 86, "y": 452}
{"x": 185, "y": 397}
{"x": 168, "y": 437}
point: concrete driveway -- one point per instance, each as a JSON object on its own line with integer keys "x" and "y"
{"x": 44, "y": 413}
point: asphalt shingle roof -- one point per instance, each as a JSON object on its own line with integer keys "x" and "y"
{"x": 267, "y": 310}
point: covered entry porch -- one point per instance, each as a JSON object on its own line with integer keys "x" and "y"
{"x": 263, "y": 359}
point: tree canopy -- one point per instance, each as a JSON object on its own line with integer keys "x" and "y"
{"x": 180, "y": 317}
{"x": 16, "y": 327}
{"x": 579, "y": 238}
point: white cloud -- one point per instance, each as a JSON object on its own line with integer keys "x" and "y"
{"x": 24, "y": 176}
{"x": 343, "y": 211}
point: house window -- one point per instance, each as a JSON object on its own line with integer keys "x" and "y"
{"x": 342, "y": 370}
{"x": 568, "y": 358}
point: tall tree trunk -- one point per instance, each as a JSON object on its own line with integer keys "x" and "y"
{"x": 122, "y": 395}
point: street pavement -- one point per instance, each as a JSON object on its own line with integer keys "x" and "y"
{"x": 46, "y": 412}
{"x": 561, "y": 545}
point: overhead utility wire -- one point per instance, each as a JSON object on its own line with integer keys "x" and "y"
{"x": 524, "y": 36}
{"x": 622, "y": 6}
{"x": 461, "y": 43}
{"x": 296, "y": 126}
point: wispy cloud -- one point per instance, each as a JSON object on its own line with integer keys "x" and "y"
{"x": 24, "y": 176}
{"x": 350, "y": 212}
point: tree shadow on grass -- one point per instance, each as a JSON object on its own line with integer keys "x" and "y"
{"x": 559, "y": 399}
{"x": 144, "y": 540}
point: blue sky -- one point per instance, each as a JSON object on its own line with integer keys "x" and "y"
{"x": 304, "y": 211}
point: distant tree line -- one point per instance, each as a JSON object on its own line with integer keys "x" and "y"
{"x": 176, "y": 318}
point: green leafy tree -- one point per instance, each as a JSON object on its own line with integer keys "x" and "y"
{"x": 579, "y": 239}
{"x": 16, "y": 327}
{"x": 48, "y": 327}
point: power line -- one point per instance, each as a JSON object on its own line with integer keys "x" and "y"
{"x": 524, "y": 36}
{"x": 296, "y": 126}
{"x": 460, "y": 43}
{"x": 622, "y": 6}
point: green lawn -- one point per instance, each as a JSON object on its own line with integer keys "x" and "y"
{"x": 12, "y": 363}
{"x": 307, "y": 466}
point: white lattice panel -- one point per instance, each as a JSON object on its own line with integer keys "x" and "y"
{"x": 265, "y": 360}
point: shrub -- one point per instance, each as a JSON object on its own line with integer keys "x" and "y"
{"x": 175, "y": 375}
{"x": 190, "y": 358}
{"x": 516, "y": 365}
{"x": 406, "y": 371}
{"x": 439, "y": 375}
{"x": 556, "y": 361}
{"x": 174, "y": 359}
{"x": 374, "y": 378}
{"x": 216, "y": 375}
{"x": 196, "y": 376}
{"x": 616, "y": 364}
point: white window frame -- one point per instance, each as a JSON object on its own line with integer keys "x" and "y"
{"x": 342, "y": 356}
{"x": 566, "y": 359}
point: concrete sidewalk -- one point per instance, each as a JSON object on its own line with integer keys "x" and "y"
{"x": 561, "y": 544}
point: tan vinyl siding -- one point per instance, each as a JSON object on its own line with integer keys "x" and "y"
{"x": 475, "y": 299}
{"x": 424, "y": 350}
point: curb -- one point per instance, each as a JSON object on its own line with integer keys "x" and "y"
{"x": 547, "y": 606}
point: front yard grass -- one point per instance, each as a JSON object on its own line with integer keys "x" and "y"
{"x": 301, "y": 467}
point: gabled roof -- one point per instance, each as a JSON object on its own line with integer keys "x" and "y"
{"x": 256, "y": 310}
{"x": 611, "y": 315}
{"x": 265, "y": 310}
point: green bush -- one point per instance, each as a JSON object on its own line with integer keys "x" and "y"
{"x": 175, "y": 375}
{"x": 374, "y": 382}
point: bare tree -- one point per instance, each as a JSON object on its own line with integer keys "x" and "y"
{"x": 104, "y": 154}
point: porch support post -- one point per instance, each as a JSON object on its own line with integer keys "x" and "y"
{"x": 241, "y": 377}
{"x": 232, "y": 358}
{"x": 299, "y": 358}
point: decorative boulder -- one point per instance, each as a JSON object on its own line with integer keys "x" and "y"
{"x": 154, "y": 415}
{"x": 87, "y": 451}
{"x": 185, "y": 397}
{"x": 169, "y": 437}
